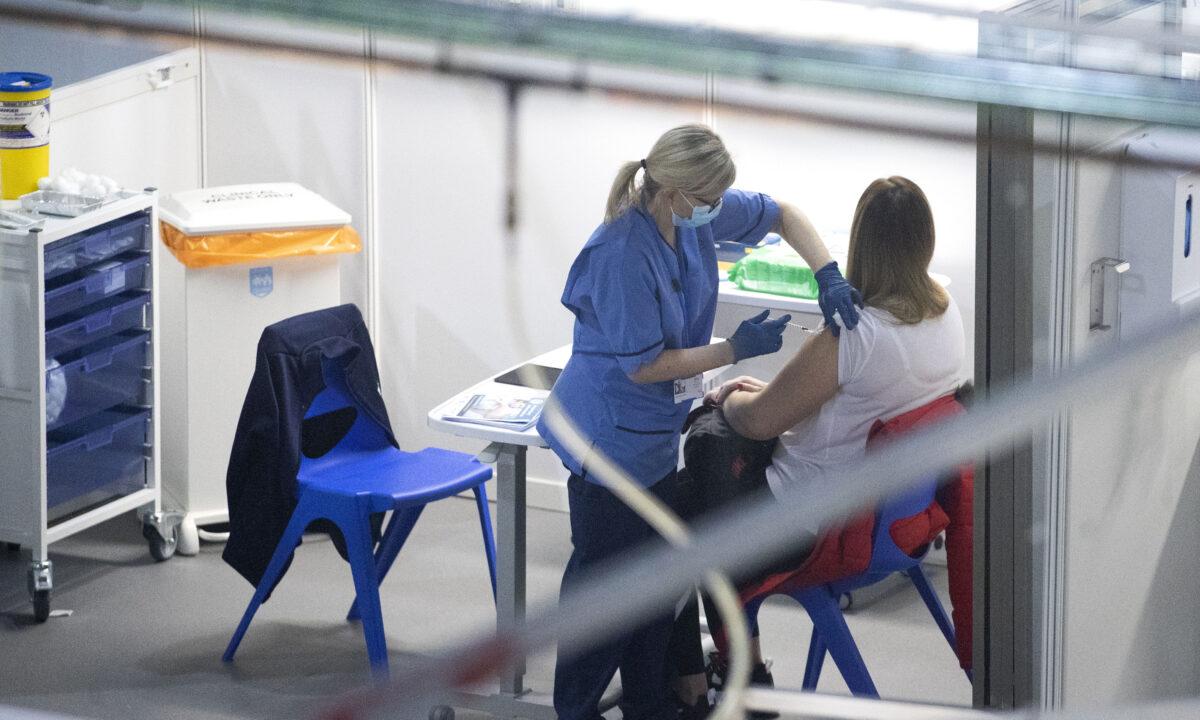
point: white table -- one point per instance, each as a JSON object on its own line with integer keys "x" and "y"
{"x": 728, "y": 292}
{"x": 507, "y": 449}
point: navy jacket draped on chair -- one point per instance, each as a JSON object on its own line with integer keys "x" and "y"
{"x": 261, "y": 480}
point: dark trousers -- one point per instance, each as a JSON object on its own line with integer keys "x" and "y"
{"x": 603, "y": 530}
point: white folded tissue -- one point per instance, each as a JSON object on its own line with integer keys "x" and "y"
{"x": 76, "y": 182}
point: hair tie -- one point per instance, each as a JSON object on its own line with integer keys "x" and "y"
{"x": 643, "y": 163}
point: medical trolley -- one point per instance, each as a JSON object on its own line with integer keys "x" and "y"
{"x": 79, "y": 380}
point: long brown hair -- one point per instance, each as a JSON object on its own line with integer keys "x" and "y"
{"x": 891, "y": 244}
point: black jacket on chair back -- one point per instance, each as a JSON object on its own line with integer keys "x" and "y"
{"x": 264, "y": 462}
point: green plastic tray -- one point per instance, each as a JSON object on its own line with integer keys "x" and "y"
{"x": 777, "y": 270}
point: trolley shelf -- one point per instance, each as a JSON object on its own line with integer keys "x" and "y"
{"x": 97, "y": 245}
{"x": 96, "y": 282}
{"x": 126, "y": 311}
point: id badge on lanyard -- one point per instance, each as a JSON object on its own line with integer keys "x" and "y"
{"x": 688, "y": 389}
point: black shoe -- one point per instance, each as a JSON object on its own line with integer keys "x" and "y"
{"x": 718, "y": 668}
{"x": 762, "y": 677}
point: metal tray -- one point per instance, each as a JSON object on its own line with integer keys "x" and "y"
{"x": 10, "y": 220}
{"x": 51, "y": 202}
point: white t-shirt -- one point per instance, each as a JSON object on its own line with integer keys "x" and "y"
{"x": 885, "y": 368}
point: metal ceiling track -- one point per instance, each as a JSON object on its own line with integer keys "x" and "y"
{"x": 586, "y": 39}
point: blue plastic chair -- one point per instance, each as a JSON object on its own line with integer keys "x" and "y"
{"x": 362, "y": 475}
{"x": 830, "y": 633}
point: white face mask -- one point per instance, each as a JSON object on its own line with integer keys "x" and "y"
{"x": 701, "y": 214}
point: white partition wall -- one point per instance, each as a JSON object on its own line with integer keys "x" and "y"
{"x": 443, "y": 264}
{"x": 1130, "y": 570}
{"x": 119, "y": 125}
{"x": 286, "y": 117}
{"x": 571, "y": 144}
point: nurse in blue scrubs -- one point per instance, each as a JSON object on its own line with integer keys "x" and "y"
{"x": 644, "y": 294}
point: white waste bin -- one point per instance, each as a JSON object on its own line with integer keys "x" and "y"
{"x": 245, "y": 257}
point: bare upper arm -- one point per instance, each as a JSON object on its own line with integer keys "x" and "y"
{"x": 786, "y": 209}
{"x": 805, "y": 383}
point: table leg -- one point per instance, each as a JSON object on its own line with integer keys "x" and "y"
{"x": 510, "y": 549}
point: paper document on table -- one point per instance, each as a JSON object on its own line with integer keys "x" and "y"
{"x": 515, "y": 411}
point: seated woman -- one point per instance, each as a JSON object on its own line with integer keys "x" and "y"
{"x": 908, "y": 351}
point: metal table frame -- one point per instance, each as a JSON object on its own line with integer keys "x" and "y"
{"x": 507, "y": 450}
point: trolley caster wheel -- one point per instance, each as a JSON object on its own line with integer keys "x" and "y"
{"x": 161, "y": 548}
{"x": 441, "y": 712}
{"x": 41, "y": 605}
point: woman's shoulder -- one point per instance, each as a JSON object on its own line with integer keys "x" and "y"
{"x": 952, "y": 312}
{"x": 871, "y": 318}
{"x": 862, "y": 337}
{"x": 627, "y": 233}
{"x": 621, "y": 225}
{"x": 950, "y": 319}
{"x": 943, "y": 330}
{"x": 877, "y": 325}
{"x": 881, "y": 316}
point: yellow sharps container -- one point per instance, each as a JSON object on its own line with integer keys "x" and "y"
{"x": 24, "y": 132}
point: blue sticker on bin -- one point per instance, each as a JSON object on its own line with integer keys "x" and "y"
{"x": 262, "y": 281}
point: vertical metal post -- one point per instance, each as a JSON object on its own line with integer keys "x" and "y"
{"x": 510, "y": 551}
{"x": 1003, "y": 588}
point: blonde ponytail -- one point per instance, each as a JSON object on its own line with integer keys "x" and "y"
{"x": 620, "y": 197}
{"x": 690, "y": 158}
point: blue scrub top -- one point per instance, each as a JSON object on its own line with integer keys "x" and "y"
{"x": 633, "y": 296}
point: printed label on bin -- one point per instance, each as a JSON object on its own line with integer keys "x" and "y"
{"x": 262, "y": 281}
{"x": 24, "y": 124}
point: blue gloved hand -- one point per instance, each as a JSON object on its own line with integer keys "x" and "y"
{"x": 758, "y": 336}
{"x": 835, "y": 294}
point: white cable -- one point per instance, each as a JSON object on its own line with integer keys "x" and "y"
{"x": 667, "y": 524}
{"x": 209, "y": 536}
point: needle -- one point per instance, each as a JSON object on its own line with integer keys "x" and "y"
{"x": 810, "y": 331}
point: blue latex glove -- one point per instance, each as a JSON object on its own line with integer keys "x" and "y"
{"x": 758, "y": 336}
{"x": 834, "y": 294}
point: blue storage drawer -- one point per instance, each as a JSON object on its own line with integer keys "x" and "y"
{"x": 91, "y": 285}
{"x": 83, "y": 327}
{"x": 96, "y": 378}
{"x": 98, "y": 244}
{"x": 96, "y": 459}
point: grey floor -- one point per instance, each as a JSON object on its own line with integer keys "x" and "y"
{"x": 144, "y": 639}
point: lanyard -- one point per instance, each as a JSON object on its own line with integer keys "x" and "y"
{"x": 681, "y": 261}
{"x": 678, "y": 279}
